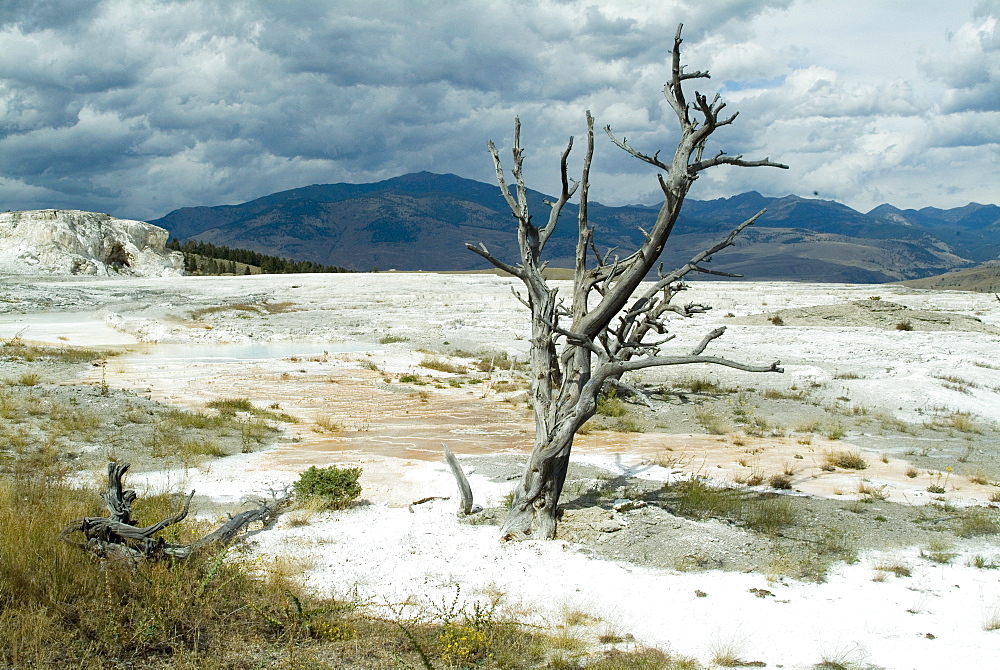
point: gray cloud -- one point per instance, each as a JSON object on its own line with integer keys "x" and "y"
{"x": 138, "y": 107}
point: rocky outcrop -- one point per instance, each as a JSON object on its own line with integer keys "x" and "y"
{"x": 56, "y": 241}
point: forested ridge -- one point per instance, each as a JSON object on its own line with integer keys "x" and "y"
{"x": 205, "y": 258}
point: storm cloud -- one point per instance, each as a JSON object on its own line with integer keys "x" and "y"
{"x": 138, "y": 107}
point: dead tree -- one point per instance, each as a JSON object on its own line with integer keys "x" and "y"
{"x": 608, "y": 328}
{"x": 465, "y": 490}
{"x": 118, "y": 536}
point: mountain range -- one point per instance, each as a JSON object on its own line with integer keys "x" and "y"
{"x": 421, "y": 221}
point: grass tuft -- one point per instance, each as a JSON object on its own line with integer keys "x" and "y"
{"x": 846, "y": 459}
{"x": 979, "y": 521}
{"x": 442, "y": 365}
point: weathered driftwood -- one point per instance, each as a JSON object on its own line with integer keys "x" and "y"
{"x": 119, "y": 535}
{"x": 463, "y": 483}
{"x": 611, "y": 324}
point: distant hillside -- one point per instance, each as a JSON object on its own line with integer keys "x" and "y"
{"x": 982, "y": 279}
{"x": 421, "y": 221}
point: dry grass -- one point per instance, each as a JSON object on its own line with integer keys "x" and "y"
{"x": 870, "y": 492}
{"x": 845, "y": 459}
{"x": 442, "y": 365}
{"x": 897, "y": 568}
{"x": 327, "y": 424}
{"x": 710, "y": 421}
{"x": 61, "y": 608}
{"x": 196, "y": 314}
{"x": 696, "y": 498}
{"x": 728, "y": 653}
{"x": 991, "y": 620}
{"x": 979, "y": 521}
{"x": 15, "y": 349}
{"x": 780, "y": 481}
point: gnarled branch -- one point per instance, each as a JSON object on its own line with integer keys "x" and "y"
{"x": 119, "y": 535}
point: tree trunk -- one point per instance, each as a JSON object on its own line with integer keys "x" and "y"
{"x": 534, "y": 510}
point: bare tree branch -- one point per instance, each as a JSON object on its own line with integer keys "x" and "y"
{"x": 506, "y": 267}
{"x": 119, "y": 536}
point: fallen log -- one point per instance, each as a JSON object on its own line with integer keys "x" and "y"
{"x": 119, "y": 535}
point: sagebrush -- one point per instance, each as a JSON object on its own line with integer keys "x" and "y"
{"x": 334, "y": 487}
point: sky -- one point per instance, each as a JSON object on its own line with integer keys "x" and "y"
{"x": 140, "y": 107}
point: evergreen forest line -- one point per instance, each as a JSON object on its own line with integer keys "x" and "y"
{"x": 205, "y": 258}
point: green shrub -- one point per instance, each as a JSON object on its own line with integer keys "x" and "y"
{"x": 333, "y": 486}
{"x": 610, "y": 404}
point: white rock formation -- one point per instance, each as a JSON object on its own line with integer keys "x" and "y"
{"x": 59, "y": 241}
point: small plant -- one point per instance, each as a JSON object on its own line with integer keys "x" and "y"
{"x": 834, "y": 544}
{"x": 700, "y": 385}
{"x": 610, "y": 404}
{"x": 242, "y": 308}
{"x": 776, "y": 320}
{"x": 982, "y": 563}
{"x": 780, "y": 481}
{"x": 332, "y": 487}
{"x": 938, "y": 551}
{"x": 754, "y": 478}
{"x": 846, "y": 459}
{"x": 871, "y": 493}
{"x": 710, "y": 421}
{"x": 442, "y": 365}
{"x": 769, "y": 515}
{"x": 392, "y": 339}
{"x": 27, "y": 379}
{"x": 409, "y": 379}
{"x": 326, "y": 424}
{"x": 940, "y": 483}
{"x": 231, "y": 405}
{"x": 992, "y": 619}
{"x": 912, "y": 472}
{"x": 730, "y": 655}
{"x": 778, "y": 394}
{"x": 962, "y": 422}
{"x": 897, "y": 568}
{"x": 980, "y": 478}
{"x": 462, "y": 645}
{"x": 905, "y": 324}
{"x": 978, "y": 521}
{"x": 835, "y": 432}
